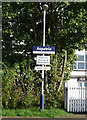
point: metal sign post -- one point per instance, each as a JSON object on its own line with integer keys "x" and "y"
{"x": 43, "y": 60}
{"x": 45, "y": 7}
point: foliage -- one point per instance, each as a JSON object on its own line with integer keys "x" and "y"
{"x": 23, "y": 23}
{"x": 22, "y": 85}
{"x": 66, "y": 29}
{"x": 19, "y": 85}
{"x": 59, "y": 72}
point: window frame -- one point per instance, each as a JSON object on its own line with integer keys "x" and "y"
{"x": 85, "y": 62}
{"x": 86, "y": 58}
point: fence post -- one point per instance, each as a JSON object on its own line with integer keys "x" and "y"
{"x": 68, "y": 99}
{"x": 65, "y": 97}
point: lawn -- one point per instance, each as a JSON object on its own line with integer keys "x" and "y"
{"x": 34, "y": 112}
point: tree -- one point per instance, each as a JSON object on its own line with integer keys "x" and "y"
{"x": 65, "y": 29}
{"x": 22, "y": 23}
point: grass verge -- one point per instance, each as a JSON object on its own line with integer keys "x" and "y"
{"x": 34, "y": 112}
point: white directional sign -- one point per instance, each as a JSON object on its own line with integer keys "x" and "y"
{"x": 43, "y": 60}
{"x": 41, "y": 68}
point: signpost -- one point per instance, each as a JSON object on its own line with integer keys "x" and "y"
{"x": 43, "y": 60}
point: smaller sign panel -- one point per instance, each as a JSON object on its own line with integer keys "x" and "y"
{"x": 43, "y": 60}
{"x": 41, "y": 68}
{"x": 43, "y": 50}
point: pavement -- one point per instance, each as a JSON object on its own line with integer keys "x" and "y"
{"x": 70, "y": 117}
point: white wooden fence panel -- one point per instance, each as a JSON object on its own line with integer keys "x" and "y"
{"x": 76, "y": 100}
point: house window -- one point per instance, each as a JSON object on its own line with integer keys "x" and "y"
{"x": 81, "y": 63}
{"x": 85, "y": 84}
{"x": 80, "y": 57}
{"x": 79, "y": 84}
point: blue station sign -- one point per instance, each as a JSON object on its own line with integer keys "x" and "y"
{"x": 43, "y": 50}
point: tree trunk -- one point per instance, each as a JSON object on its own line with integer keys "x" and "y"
{"x": 55, "y": 82}
{"x": 63, "y": 68}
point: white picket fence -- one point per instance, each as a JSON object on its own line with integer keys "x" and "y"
{"x": 76, "y": 99}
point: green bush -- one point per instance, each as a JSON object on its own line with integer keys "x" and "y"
{"x": 18, "y": 85}
{"x": 21, "y": 84}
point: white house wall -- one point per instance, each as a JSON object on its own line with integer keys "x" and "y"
{"x": 82, "y": 52}
{"x": 79, "y": 73}
{"x": 76, "y": 88}
{"x": 71, "y": 83}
